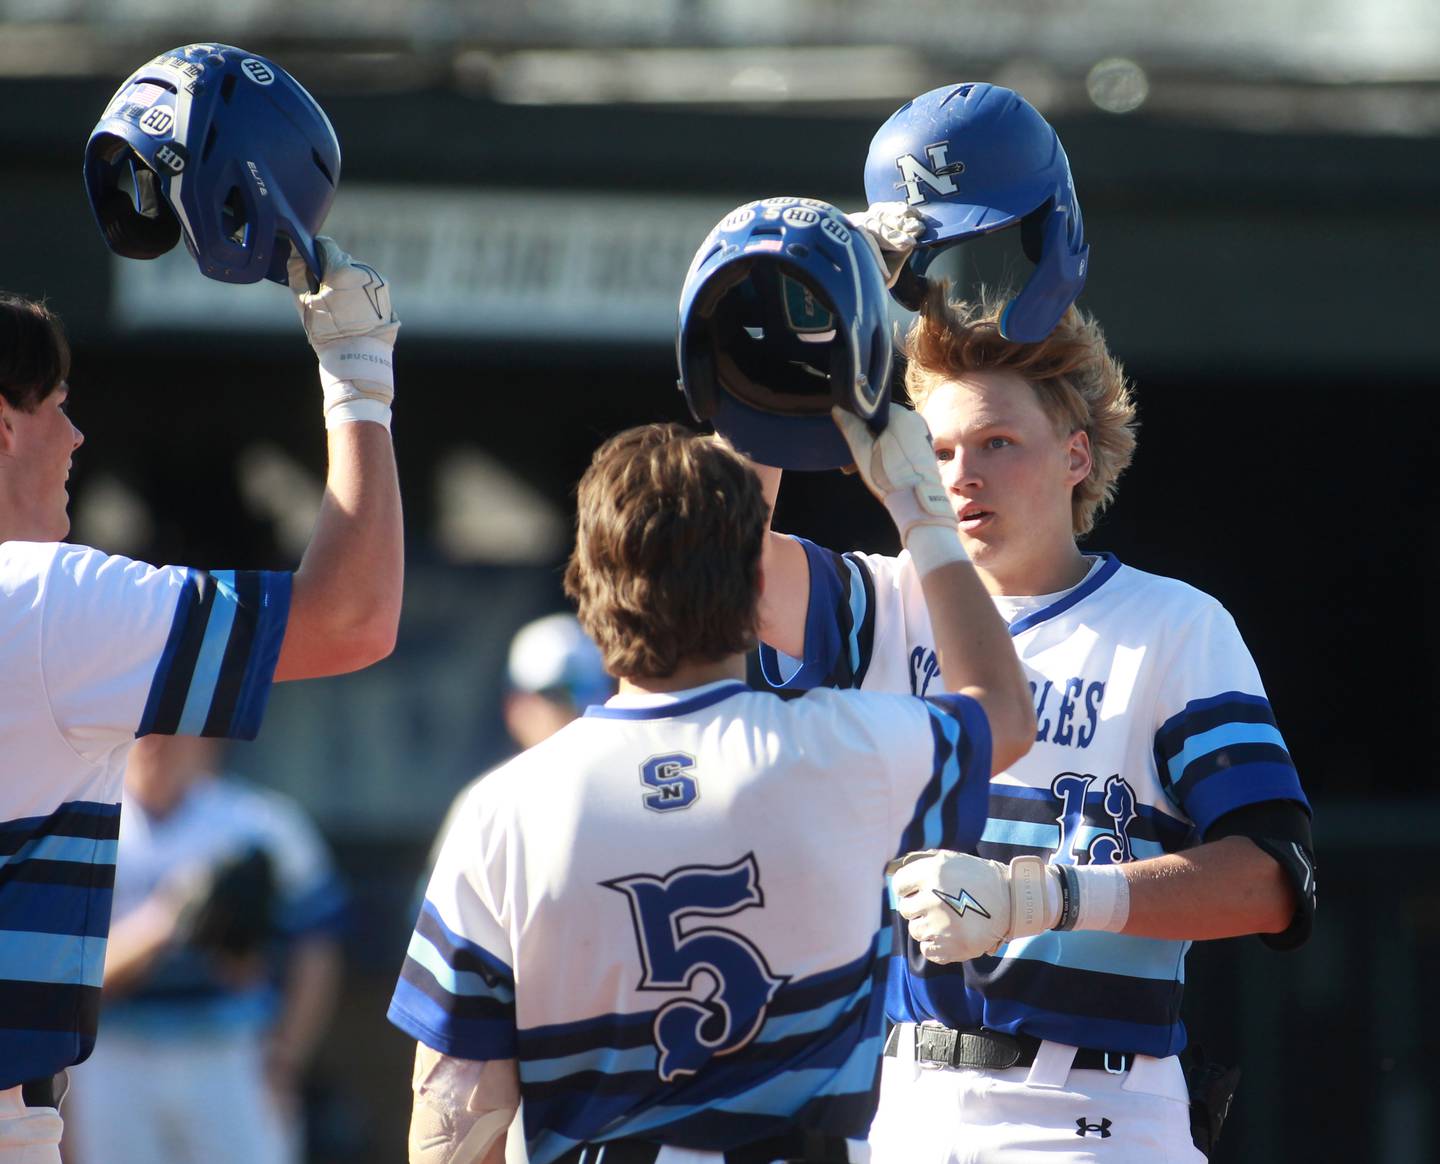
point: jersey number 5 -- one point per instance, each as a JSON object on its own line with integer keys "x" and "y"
{"x": 727, "y": 979}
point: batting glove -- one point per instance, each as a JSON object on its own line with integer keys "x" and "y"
{"x": 891, "y": 229}
{"x": 352, "y": 327}
{"x": 899, "y": 468}
{"x": 960, "y": 907}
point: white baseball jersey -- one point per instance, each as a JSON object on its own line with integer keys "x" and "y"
{"x": 1152, "y": 724}
{"x": 95, "y": 651}
{"x": 671, "y": 913}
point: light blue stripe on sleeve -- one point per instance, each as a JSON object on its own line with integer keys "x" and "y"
{"x": 64, "y": 958}
{"x": 212, "y": 654}
{"x": 1104, "y": 953}
{"x": 1223, "y": 736}
{"x": 461, "y": 983}
{"x": 857, "y": 613}
{"x": 81, "y": 850}
{"x": 949, "y": 778}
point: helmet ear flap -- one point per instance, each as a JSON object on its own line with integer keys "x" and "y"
{"x": 144, "y": 233}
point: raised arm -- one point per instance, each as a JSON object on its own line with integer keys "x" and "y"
{"x": 976, "y": 655}
{"x": 345, "y": 601}
{"x": 785, "y": 597}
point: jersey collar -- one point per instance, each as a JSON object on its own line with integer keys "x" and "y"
{"x": 666, "y": 705}
{"x": 1097, "y": 578}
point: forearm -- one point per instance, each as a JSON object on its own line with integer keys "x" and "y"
{"x": 1223, "y": 889}
{"x": 462, "y": 1108}
{"x": 785, "y": 579}
{"x": 977, "y": 657}
{"x": 345, "y": 601}
{"x": 136, "y": 942}
{"x": 311, "y": 988}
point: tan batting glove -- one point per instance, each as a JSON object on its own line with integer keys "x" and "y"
{"x": 899, "y": 468}
{"x": 960, "y": 906}
{"x": 891, "y": 229}
{"x": 352, "y": 327}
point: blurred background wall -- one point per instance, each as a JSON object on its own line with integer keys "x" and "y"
{"x": 1261, "y": 189}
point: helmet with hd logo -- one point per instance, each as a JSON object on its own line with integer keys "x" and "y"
{"x": 782, "y": 315}
{"x": 219, "y": 147}
{"x": 976, "y": 158}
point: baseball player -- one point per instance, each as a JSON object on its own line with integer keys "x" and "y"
{"x": 1036, "y": 994}
{"x": 96, "y": 650}
{"x": 664, "y": 926}
{"x": 221, "y": 972}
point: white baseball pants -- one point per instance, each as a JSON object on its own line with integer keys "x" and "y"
{"x": 1042, "y": 1114}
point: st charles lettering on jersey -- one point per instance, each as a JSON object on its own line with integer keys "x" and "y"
{"x": 1067, "y": 712}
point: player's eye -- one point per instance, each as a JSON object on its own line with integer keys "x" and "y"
{"x": 998, "y": 442}
{"x": 943, "y": 455}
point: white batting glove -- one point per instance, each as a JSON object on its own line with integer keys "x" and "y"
{"x": 961, "y": 907}
{"x": 891, "y": 229}
{"x": 899, "y": 468}
{"x": 352, "y": 327}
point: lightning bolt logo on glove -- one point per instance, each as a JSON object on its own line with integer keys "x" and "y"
{"x": 962, "y": 904}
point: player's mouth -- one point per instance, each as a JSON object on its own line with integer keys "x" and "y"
{"x": 974, "y": 517}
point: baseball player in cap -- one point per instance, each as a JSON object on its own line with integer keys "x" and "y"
{"x": 664, "y": 926}
{"x": 1035, "y": 987}
{"x": 96, "y": 650}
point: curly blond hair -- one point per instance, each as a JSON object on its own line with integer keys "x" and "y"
{"x": 1079, "y": 384}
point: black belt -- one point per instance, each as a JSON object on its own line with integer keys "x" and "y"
{"x": 994, "y": 1050}
{"x": 39, "y": 1092}
{"x": 797, "y": 1147}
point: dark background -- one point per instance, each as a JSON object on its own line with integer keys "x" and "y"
{"x": 1272, "y": 292}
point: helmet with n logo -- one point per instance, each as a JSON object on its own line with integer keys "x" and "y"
{"x": 784, "y": 314}
{"x": 222, "y": 148}
{"x": 975, "y": 158}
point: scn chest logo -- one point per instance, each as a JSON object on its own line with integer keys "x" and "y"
{"x": 670, "y": 781}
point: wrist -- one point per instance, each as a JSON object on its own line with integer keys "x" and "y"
{"x": 933, "y": 546}
{"x": 1092, "y": 897}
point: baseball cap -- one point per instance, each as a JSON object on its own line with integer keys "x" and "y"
{"x": 553, "y": 656}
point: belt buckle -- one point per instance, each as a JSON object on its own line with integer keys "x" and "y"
{"x": 1120, "y": 1070}
{"x": 934, "y": 1045}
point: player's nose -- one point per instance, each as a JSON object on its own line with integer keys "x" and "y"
{"x": 961, "y": 472}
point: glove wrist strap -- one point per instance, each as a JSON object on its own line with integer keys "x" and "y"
{"x": 363, "y": 360}
{"x": 358, "y": 379}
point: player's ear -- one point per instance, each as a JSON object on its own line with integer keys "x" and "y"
{"x": 7, "y": 427}
{"x": 1080, "y": 461}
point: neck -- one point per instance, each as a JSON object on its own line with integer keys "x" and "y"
{"x": 1047, "y": 575}
{"x": 687, "y": 675}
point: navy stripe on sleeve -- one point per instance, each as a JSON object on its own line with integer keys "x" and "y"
{"x": 214, "y": 675}
{"x": 839, "y": 625}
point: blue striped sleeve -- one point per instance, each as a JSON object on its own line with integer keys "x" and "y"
{"x": 839, "y": 625}
{"x": 454, "y": 995}
{"x": 1223, "y": 753}
{"x": 950, "y": 812}
{"x": 214, "y": 674}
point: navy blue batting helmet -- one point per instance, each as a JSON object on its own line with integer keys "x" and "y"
{"x": 783, "y": 314}
{"x": 219, "y": 147}
{"x": 976, "y": 158}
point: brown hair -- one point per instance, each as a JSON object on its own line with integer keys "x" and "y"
{"x": 34, "y": 353}
{"x": 666, "y": 568}
{"x": 1079, "y": 384}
